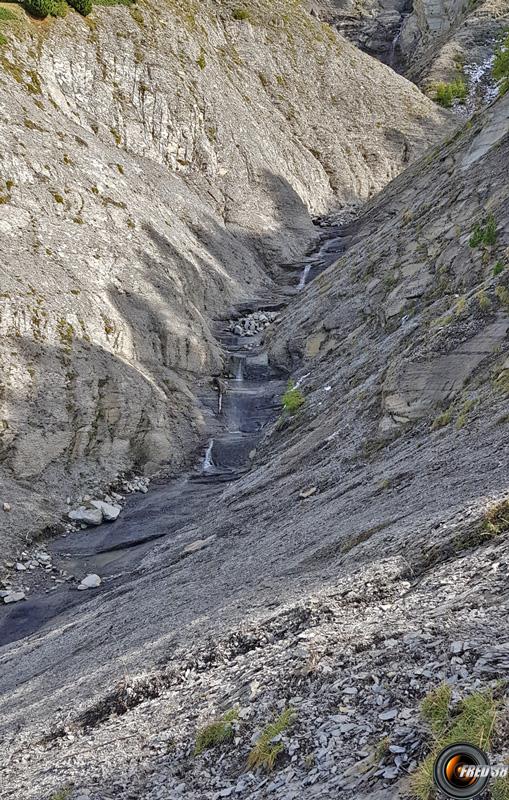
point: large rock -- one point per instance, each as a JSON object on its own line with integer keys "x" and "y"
{"x": 86, "y": 516}
{"x": 109, "y": 511}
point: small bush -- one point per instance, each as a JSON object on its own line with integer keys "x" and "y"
{"x": 83, "y": 7}
{"x": 485, "y": 234}
{"x": 201, "y": 60}
{"x": 501, "y": 67}
{"x": 3, "y": 39}
{"x": 241, "y": 14}
{"x": 496, "y": 520}
{"x": 498, "y": 268}
{"x": 39, "y": 8}
{"x": 447, "y": 93}
{"x": 502, "y": 294}
{"x": 293, "y": 398}
{"x": 266, "y": 750}
{"x": 216, "y": 733}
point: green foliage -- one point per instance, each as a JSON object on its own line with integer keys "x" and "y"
{"x": 201, "y": 60}
{"x": 62, "y": 794}
{"x": 3, "y": 39}
{"x": 501, "y": 67}
{"x": 447, "y": 93}
{"x": 442, "y": 420}
{"x": 83, "y": 7}
{"x": 435, "y": 709}
{"x": 502, "y": 294}
{"x": 216, "y": 733}
{"x": 266, "y": 751}
{"x": 483, "y": 300}
{"x": 485, "y": 234}
{"x": 114, "y": 2}
{"x": 500, "y": 789}
{"x": 293, "y": 398}
{"x": 498, "y": 268}
{"x": 241, "y": 14}
{"x": 6, "y": 14}
{"x": 473, "y": 721}
{"x": 39, "y": 8}
{"x": 496, "y": 520}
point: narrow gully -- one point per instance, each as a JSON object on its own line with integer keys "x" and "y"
{"x": 247, "y": 399}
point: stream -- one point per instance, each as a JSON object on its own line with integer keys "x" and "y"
{"x": 244, "y": 403}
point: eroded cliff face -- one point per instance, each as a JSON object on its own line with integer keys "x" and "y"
{"x": 156, "y": 164}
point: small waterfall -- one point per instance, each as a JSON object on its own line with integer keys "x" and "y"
{"x": 220, "y": 402}
{"x": 303, "y": 277}
{"x": 208, "y": 461}
{"x": 239, "y": 370}
{"x": 392, "y": 53}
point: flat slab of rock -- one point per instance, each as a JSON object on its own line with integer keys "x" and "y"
{"x": 14, "y": 597}
{"x": 86, "y": 516}
{"x": 109, "y": 511}
{"x": 90, "y": 582}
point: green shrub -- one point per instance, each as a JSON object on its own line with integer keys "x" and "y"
{"x": 201, "y": 60}
{"x": 502, "y": 294}
{"x": 483, "y": 300}
{"x": 39, "y": 8}
{"x": 447, "y": 93}
{"x": 3, "y": 39}
{"x": 216, "y": 733}
{"x": 442, "y": 420}
{"x": 83, "y": 7}
{"x": 498, "y": 268}
{"x": 501, "y": 67}
{"x": 484, "y": 234}
{"x": 293, "y": 398}
{"x": 266, "y": 751}
{"x": 241, "y": 14}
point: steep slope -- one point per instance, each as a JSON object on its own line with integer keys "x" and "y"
{"x": 349, "y": 557}
{"x": 156, "y": 163}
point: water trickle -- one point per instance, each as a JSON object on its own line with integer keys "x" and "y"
{"x": 303, "y": 277}
{"x": 239, "y": 370}
{"x": 208, "y": 461}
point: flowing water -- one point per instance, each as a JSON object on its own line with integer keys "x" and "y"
{"x": 249, "y": 400}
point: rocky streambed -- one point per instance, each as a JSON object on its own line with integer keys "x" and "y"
{"x": 107, "y": 541}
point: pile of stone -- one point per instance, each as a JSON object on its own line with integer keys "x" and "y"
{"x": 136, "y": 484}
{"x": 94, "y": 512}
{"x": 253, "y": 323}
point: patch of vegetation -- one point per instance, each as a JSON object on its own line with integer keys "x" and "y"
{"x": 201, "y": 60}
{"x": 483, "y": 300}
{"x": 62, "y": 794}
{"x": 3, "y": 39}
{"x": 241, "y": 14}
{"x": 498, "y": 268}
{"x": 114, "y": 2}
{"x": 501, "y": 67}
{"x": 496, "y": 520}
{"x": 442, "y": 420}
{"x": 292, "y": 399}
{"x": 381, "y": 749}
{"x": 500, "y": 789}
{"x": 445, "y": 94}
{"x": 6, "y": 14}
{"x": 473, "y": 721}
{"x": 502, "y": 294}
{"x": 216, "y": 733}
{"x": 502, "y": 381}
{"x": 485, "y": 233}
{"x": 83, "y": 7}
{"x": 464, "y": 412}
{"x": 58, "y": 198}
{"x": 266, "y": 749}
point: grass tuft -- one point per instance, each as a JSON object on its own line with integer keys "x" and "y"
{"x": 241, "y": 14}
{"x": 485, "y": 233}
{"x": 496, "y": 520}
{"x": 447, "y": 93}
{"x": 501, "y": 67}
{"x": 265, "y": 752}
{"x": 293, "y": 398}
{"x": 216, "y": 733}
{"x": 472, "y": 720}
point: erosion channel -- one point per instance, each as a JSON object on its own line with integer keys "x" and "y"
{"x": 238, "y": 410}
